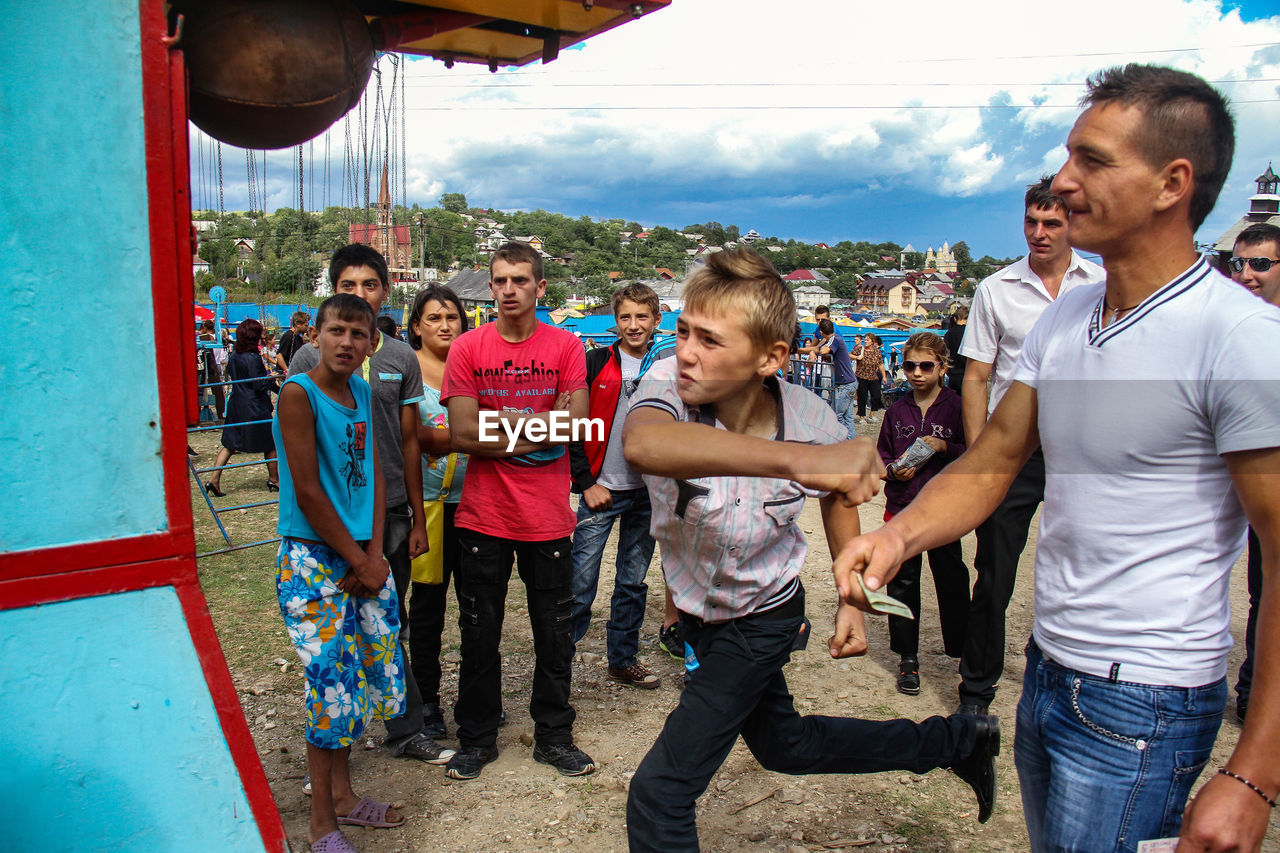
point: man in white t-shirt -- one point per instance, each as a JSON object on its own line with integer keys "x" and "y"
{"x": 1005, "y": 307}
{"x": 1154, "y": 397}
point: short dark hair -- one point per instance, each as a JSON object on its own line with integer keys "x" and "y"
{"x": 1258, "y": 232}
{"x": 387, "y": 326}
{"x": 822, "y": 309}
{"x": 641, "y": 294}
{"x": 826, "y": 326}
{"x": 248, "y": 334}
{"x": 346, "y": 306}
{"x": 1182, "y": 116}
{"x": 358, "y": 255}
{"x": 516, "y": 252}
{"x": 300, "y": 318}
{"x": 1040, "y": 197}
{"x": 439, "y": 293}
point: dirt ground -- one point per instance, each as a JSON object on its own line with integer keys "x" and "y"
{"x": 519, "y": 805}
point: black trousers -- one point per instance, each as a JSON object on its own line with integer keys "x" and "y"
{"x": 1244, "y": 684}
{"x": 869, "y": 388}
{"x": 395, "y": 547}
{"x": 484, "y": 570}
{"x": 1001, "y": 539}
{"x": 951, "y": 582}
{"x": 426, "y": 617}
{"x": 738, "y": 688}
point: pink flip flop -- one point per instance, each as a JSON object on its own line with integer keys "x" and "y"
{"x": 334, "y": 842}
{"x": 370, "y": 813}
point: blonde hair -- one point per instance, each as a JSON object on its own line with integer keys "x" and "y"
{"x": 931, "y": 343}
{"x": 742, "y": 279}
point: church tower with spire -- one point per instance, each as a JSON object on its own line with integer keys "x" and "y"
{"x": 392, "y": 240}
{"x": 1264, "y": 206}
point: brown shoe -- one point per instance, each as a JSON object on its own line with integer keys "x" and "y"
{"x": 636, "y": 675}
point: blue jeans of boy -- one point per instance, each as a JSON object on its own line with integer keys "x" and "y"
{"x": 1105, "y": 765}
{"x": 739, "y": 688}
{"x": 845, "y": 399}
{"x": 635, "y": 551}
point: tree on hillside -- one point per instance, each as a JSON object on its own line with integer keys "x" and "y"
{"x": 555, "y": 295}
{"x": 964, "y": 260}
{"x": 454, "y": 202}
{"x": 913, "y": 260}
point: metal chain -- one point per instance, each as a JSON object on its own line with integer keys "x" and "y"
{"x": 1138, "y": 743}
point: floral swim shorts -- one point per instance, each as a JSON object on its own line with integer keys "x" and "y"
{"x": 354, "y": 669}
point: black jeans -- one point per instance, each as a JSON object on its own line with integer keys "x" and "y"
{"x": 739, "y": 688}
{"x": 426, "y": 617}
{"x": 1244, "y": 683}
{"x": 1001, "y": 539}
{"x": 869, "y": 388}
{"x": 951, "y": 582}
{"x": 395, "y": 547}
{"x": 484, "y": 570}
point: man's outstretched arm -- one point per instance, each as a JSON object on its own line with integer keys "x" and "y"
{"x": 954, "y": 502}
{"x": 656, "y": 443}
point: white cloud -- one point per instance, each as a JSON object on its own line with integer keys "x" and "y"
{"x": 811, "y": 100}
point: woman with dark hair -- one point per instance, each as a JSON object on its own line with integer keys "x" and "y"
{"x": 249, "y": 401}
{"x": 436, "y": 321}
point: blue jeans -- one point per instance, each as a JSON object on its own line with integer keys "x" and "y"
{"x": 739, "y": 689}
{"x": 635, "y": 551}
{"x": 845, "y": 398}
{"x": 1105, "y": 765}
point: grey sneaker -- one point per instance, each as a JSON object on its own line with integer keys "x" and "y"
{"x": 426, "y": 750}
{"x": 469, "y": 761}
{"x": 565, "y": 757}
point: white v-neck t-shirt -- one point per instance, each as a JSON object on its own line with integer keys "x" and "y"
{"x": 1141, "y": 521}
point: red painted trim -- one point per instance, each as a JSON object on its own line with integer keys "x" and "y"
{"x": 107, "y": 580}
{"x": 69, "y": 558}
{"x": 169, "y": 209}
{"x": 169, "y": 204}
{"x": 185, "y": 236}
{"x": 176, "y": 573}
{"x": 234, "y": 727}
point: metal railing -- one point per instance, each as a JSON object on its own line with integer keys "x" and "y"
{"x": 216, "y": 511}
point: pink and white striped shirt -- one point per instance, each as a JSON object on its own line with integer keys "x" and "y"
{"x": 731, "y": 545}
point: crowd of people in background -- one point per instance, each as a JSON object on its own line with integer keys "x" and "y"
{"x": 712, "y": 440}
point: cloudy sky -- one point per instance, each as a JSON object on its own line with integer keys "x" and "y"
{"x": 820, "y": 120}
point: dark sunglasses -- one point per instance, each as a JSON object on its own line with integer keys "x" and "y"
{"x": 925, "y": 366}
{"x": 1256, "y": 264}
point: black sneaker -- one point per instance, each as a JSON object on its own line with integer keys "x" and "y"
{"x": 427, "y": 750}
{"x": 565, "y": 757}
{"x": 468, "y": 761}
{"x": 433, "y": 721}
{"x": 670, "y": 641}
{"x": 909, "y": 676}
{"x": 978, "y": 768}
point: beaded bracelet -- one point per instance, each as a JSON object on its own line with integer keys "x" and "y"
{"x": 1252, "y": 787}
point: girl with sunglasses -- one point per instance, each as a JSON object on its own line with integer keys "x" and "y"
{"x": 930, "y": 412}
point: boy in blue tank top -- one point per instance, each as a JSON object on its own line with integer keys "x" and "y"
{"x": 335, "y": 588}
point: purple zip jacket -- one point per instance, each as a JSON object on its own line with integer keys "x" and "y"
{"x": 902, "y": 425}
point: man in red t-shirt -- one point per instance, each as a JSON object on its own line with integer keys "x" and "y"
{"x": 502, "y": 383}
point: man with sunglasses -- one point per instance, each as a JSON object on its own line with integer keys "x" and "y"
{"x": 1255, "y": 263}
